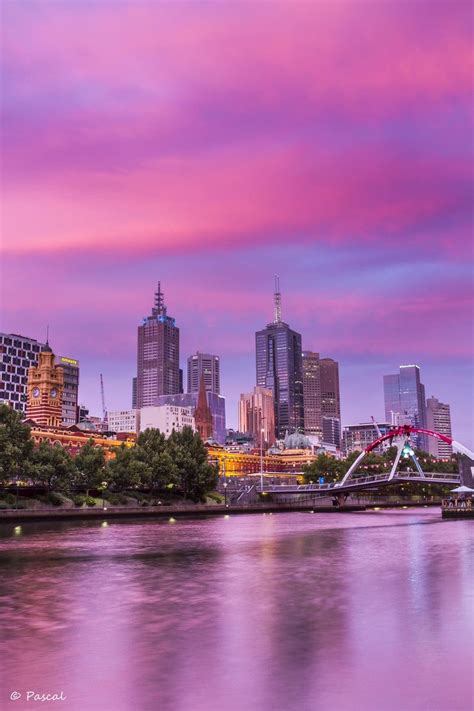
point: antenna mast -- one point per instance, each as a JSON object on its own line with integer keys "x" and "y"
{"x": 104, "y": 409}
{"x": 277, "y": 299}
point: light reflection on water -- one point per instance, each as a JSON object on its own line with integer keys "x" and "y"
{"x": 370, "y": 611}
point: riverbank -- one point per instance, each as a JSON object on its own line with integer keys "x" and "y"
{"x": 190, "y": 510}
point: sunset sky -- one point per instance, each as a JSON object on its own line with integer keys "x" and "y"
{"x": 213, "y": 145}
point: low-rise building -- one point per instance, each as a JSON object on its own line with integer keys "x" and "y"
{"x": 356, "y": 438}
{"x": 165, "y": 418}
{"x": 122, "y": 420}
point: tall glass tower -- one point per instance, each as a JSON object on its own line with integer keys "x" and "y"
{"x": 157, "y": 355}
{"x": 280, "y": 369}
{"x": 405, "y": 401}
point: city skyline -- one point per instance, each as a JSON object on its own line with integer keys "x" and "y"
{"x": 353, "y": 186}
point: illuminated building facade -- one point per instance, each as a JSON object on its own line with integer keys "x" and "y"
{"x": 45, "y": 390}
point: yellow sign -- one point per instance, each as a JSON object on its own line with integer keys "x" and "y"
{"x": 70, "y": 360}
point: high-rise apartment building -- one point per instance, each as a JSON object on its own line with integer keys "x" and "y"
{"x": 17, "y": 355}
{"x": 206, "y": 366}
{"x": 134, "y": 393}
{"x": 330, "y": 394}
{"x": 158, "y": 355}
{"x": 312, "y": 394}
{"x": 280, "y": 369}
{"x": 438, "y": 419}
{"x": 70, "y": 368}
{"x": 257, "y": 413}
{"x": 404, "y": 396}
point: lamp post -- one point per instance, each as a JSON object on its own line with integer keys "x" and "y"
{"x": 261, "y": 458}
{"x": 225, "y": 494}
{"x": 103, "y": 487}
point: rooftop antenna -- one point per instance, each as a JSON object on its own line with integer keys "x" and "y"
{"x": 159, "y": 308}
{"x": 47, "y": 334}
{"x": 277, "y": 298}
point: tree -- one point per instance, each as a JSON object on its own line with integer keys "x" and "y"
{"x": 52, "y": 466}
{"x": 126, "y": 470}
{"x": 90, "y": 467}
{"x": 152, "y": 451}
{"x": 324, "y": 465}
{"x": 16, "y": 444}
{"x": 196, "y": 476}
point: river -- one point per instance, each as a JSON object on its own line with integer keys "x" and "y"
{"x": 292, "y": 611}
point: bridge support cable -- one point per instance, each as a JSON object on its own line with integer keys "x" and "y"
{"x": 458, "y": 447}
{"x": 393, "y": 470}
{"x": 351, "y": 469}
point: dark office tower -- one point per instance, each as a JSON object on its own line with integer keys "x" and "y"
{"x": 158, "y": 355}
{"x": 206, "y": 366}
{"x": 181, "y": 383}
{"x": 330, "y": 397}
{"x": 134, "y": 393}
{"x": 312, "y": 394}
{"x": 405, "y": 402}
{"x": 280, "y": 369}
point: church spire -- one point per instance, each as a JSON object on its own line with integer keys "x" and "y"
{"x": 202, "y": 414}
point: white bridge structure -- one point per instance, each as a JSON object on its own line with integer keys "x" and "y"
{"x": 398, "y": 437}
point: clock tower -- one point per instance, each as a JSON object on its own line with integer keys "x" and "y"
{"x": 45, "y": 390}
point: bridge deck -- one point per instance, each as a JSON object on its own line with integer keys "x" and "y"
{"x": 365, "y": 482}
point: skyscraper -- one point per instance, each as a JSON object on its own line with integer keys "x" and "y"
{"x": 280, "y": 369}
{"x": 257, "y": 413}
{"x": 438, "y": 418}
{"x": 404, "y": 396}
{"x": 158, "y": 355}
{"x": 207, "y": 366}
{"x": 70, "y": 368}
{"x": 312, "y": 394}
{"x": 330, "y": 395}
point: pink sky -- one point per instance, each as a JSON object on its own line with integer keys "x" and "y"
{"x": 211, "y": 145}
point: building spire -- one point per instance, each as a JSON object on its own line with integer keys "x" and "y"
{"x": 159, "y": 309}
{"x": 277, "y": 299}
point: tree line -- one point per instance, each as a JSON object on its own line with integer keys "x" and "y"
{"x": 178, "y": 464}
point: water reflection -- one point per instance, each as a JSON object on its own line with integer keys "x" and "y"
{"x": 290, "y": 611}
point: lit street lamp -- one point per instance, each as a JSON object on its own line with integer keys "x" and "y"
{"x": 103, "y": 487}
{"x": 261, "y": 456}
{"x": 225, "y": 494}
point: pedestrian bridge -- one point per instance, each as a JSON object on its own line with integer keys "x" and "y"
{"x": 400, "y": 438}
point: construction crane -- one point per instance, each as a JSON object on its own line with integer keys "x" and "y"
{"x": 377, "y": 428}
{"x": 104, "y": 409}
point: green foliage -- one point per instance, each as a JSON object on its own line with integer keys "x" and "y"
{"x": 90, "y": 501}
{"x": 51, "y": 465}
{"x": 55, "y": 499}
{"x": 325, "y": 466}
{"x": 152, "y": 452}
{"x": 16, "y": 444}
{"x": 194, "y": 473}
{"x": 90, "y": 467}
{"x": 78, "y": 500}
{"x": 127, "y": 469}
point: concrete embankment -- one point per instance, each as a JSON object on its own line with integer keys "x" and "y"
{"x": 163, "y": 512}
